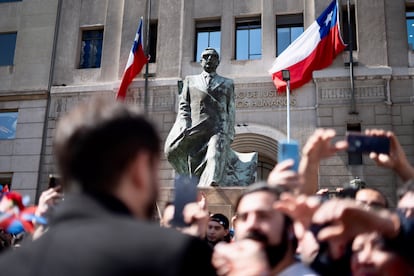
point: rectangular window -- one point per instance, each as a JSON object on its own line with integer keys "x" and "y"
{"x": 153, "y": 41}
{"x": 354, "y": 158}
{"x": 91, "y": 49}
{"x": 345, "y": 27}
{"x": 288, "y": 28}
{"x": 409, "y": 17}
{"x": 8, "y": 122}
{"x": 5, "y": 180}
{"x": 7, "y": 47}
{"x": 248, "y": 39}
{"x": 5, "y": 1}
{"x": 208, "y": 34}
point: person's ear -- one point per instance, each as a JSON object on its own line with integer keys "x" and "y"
{"x": 139, "y": 170}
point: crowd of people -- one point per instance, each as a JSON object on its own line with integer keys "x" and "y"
{"x": 108, "y": 156}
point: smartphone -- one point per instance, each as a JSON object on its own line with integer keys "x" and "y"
{"x": 185, "y": 192}
{"x": 289, "y": 150}
{"x": 361, "y": 143}
{"x": 54, "y": 181}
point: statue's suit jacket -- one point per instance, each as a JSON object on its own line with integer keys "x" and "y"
{"x": 204, "y": 110}
{"x": 89, "y": 238}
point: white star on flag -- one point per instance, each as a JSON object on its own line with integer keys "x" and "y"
{"x": 328, "y": 18}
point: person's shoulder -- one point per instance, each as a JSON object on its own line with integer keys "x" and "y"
{"x": 149, "y": 232}
{"x": 192, "y": 77}
{"x": 298, "y": 269}
{"x": 186, "y": 254}
{"x": 225, "y": 79}
{"x": 11, "y": 261}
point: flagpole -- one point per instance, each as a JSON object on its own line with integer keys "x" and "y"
{"x": 288, "y": 109}
{"x": 351, "y": 59}
{"x": 286, "y": 77}
{"x": 147, "y": 33}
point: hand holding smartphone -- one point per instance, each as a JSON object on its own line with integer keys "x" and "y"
{"x": 185, "y": 192}
{"x": 289, "y": 150}
{"x": 54, "y": 181}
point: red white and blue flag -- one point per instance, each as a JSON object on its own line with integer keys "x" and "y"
{"x": 136, "y": 60}
{"x": 314, "y": 49}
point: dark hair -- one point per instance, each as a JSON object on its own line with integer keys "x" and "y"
{"x": 220, "y": 219}
{"x": 210, "y": 49}
{"x": 95, "y": 143}
{"x": 261, "y": 187}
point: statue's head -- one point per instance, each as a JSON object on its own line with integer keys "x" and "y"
{"x": 210, "y": 60}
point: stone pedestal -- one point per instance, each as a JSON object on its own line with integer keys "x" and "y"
{"x": 219, "y": 199}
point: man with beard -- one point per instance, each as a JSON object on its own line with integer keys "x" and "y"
{"x": 108, "y": 157}
{"x": 265, "y": 242}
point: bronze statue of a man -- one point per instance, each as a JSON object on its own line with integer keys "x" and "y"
{"x": 204, "y": 129}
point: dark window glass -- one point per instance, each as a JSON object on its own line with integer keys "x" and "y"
{"x": 354, "y": 158}
{"x": 288, "y": 28}
{"x": 5, "y": 1}
{"x": 7, "y": 47}
{"x": 409, "y": 15}
{"x": 91, "y": 49}
{"x": 8, "y": 122}
{"x": 345, "y": 28}
{"x": 5, "y": 180}
{"x": 248, "y": 39}
{"x": 208, "y": 34}
{"x": 153, "y": 41}
{"x": 264, "y": 167}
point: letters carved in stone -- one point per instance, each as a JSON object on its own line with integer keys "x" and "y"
{"x": 261, "y": 98}
{"x": 344, "y": 93}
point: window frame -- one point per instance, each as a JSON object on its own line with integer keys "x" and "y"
{"x": 409, "y": 9}
{"x": 345, "y": 29}
{"x": 10, "y": 61}
{"x": 152, "y": 41}
{"x": 288, "y": 21}
{"x": 354, "y": 158}
{"x": 204, "y": 26}
{"x": 264, "y": 167}
{"x": 8, "y": 176}
{"x": 240, "y": 24}
{"x": 16, "y": 111}
{"x": 89, "y": 29}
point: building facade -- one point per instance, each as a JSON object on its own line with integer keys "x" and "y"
{"x": 27, "y": 35}
{"x": 68, "y": 51}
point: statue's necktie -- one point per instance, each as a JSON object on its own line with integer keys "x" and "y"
{"x": 209, "y": 80}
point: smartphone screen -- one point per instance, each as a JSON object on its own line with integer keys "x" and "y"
{"x": 358, "y": 142}
{"x": 185, "y": 192}
{"x": 289, "y": 150}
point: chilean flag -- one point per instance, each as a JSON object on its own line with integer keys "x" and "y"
{"x": 314, "y": 49}
{"x": 136, "y": 61}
